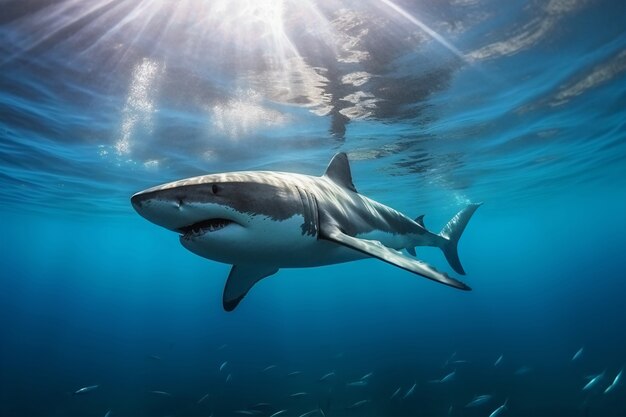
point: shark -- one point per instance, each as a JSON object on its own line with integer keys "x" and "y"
{"x": 263, "y": 221}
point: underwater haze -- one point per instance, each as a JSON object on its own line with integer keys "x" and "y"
{"x": 520, "y": 105}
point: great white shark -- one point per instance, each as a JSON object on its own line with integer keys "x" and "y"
{"x": 261, "y": 221}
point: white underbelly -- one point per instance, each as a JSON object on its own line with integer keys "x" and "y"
{"x": 279, "y": 243}
{"x": 322, "y": 252}
{"x": 395, "y": 241}
{"x": 287, "y": 246}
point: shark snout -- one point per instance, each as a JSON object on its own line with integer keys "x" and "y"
{"x": 142, "y": 202}
{"x": 176, "y": 210}
{"x": 137, "y": 201}
{"x": 165, "y": 212}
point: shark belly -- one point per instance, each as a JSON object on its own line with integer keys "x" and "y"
{"x": 280, "y": 243}
{"x": 322, "y": 252}
{"x": 391, "y": 240}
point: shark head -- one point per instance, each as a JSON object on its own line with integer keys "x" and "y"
{"x": 198, "y": 207}
{"x": 216, "y": 215}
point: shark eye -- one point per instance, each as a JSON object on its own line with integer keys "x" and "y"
{"x": 214, "y": 188}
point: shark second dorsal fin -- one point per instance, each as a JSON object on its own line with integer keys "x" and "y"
{"x": 339, "y": 171}
{"x": 241, "y": 278}
{"x": 420, "y": 220}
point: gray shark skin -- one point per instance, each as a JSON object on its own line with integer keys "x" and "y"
{"x": 261, "y": 221}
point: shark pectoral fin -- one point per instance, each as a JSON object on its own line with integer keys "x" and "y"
{"x": 378, "y": 250}
{"x": 241, "y": 278}
{"x": 411, "y": 251}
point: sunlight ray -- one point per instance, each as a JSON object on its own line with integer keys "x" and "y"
{"x": 433, "y": 34}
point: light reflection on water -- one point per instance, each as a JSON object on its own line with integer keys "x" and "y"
{"x": 466, "y": 97}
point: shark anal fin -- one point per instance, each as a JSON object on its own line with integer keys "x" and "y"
{"x": 339, "y": 171}
{"x": 378, "y": 250}
{"x": 242, "y": 277}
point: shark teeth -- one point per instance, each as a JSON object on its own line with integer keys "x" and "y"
{"x": 205, "y": 226}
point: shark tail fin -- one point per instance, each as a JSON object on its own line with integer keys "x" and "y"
{"x": 451, "y": 233}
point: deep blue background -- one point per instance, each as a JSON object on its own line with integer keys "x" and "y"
{"x": 87, "y": 301}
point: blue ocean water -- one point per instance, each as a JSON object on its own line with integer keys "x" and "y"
{"x": 518, "y": 104}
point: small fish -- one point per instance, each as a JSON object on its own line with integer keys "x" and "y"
{"x": 294, "y": 373}
{"x": 261, "y": 406}
{"x": 396, "y": 392}
{"x": 499, "y": 360}
{"x": 85, "y": 390}
{"x": 155, "y": 357}
{"x": 161, "y": 393}
{"x": 524, "y": 370}
{"x": 229, "y": 377}
{"x": 359, "y": 404}
{"x": 479, "y": 400}
{"x": 450, "y": 410}
{"x": 366, "y": 376}
{"x": 499, "y": 410}
{"x": 447, "y": 362}
{"x": 245, "y": 412}
{"x": 614, "y": 383}
{"x": 577, "y": 355}
{"x": 328, "y": 375}
{"x": 276, "y": 414}
{"x": 410, "y": 391}
{"x": 299, "y": 394}
{"x": 594, "y": 381}
{"x": 223, "y": 365}
{"x": 322, "y": 412}
{"x": 107, "y": 414}
{"x": 267, "y": 368}
{"x": 459, "y": 362}
{"x": 446, "y": 378}
{"x": 359, "y": 383}
{"x": 203, "y": 398}
{"x": 308, "y": 413}
{"x": 224, "y": 346}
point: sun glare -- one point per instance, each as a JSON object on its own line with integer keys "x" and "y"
{"x": 256, "y": 55}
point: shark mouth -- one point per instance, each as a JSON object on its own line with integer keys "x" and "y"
{"x": 205, "y": 226}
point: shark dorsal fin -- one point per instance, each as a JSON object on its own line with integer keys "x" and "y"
{"x": 339, "y": 171}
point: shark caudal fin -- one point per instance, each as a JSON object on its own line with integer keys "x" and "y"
{"x": 451, "y": 234}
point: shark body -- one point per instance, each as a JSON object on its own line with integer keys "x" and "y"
{"x": 261, "y": 221}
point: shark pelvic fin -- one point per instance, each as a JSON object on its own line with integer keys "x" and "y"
{"x": 378, "y": 250}
{"x": 241, "y": 278}
{"x": 339, "y": 171}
